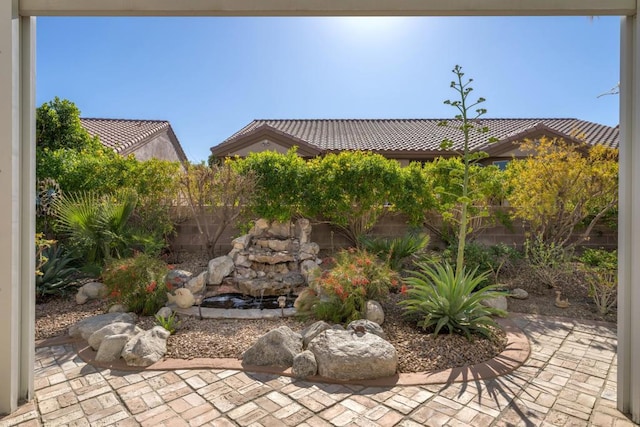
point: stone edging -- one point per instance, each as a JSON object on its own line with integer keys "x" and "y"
{"x": 515, "y": 354}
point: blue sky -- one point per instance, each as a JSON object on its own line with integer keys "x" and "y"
{"x": 211, "y": 76}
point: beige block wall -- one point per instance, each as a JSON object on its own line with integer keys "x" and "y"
{"x": 188, "y": 238}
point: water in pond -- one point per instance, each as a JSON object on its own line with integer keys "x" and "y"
{"x": 241, "y": 301}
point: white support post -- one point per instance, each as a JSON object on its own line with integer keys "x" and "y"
{"x": 628, "y": 382}
{"x": 17, "y": 128}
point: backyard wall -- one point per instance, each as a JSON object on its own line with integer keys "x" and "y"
{"x": 189, "y": 239}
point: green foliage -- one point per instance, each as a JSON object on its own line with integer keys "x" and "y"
{"x": 395, "y": 251}
{"x": 485, "y": 259}
{"x": 601, "y": 274}
{"x": 171, "y": 323}
{"x": 58, "y": 126}
{"x": 351, "y": 190}
{"x": 96, "y": 226}
{"x": 548, "y": 261}
{"x": 343, "y": 290}
{"x": 217, "y": 191}
{"x": 444, "y": 299}
{"x": 485, "y": 190}
{"x": 282, "y": 181}
{"x": 415, "y": 197}
{"x": 562, "y": 186}
{"x": 137, "y": 283}
{"x": 55, "y": 275}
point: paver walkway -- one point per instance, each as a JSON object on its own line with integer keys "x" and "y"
{"x": 569, "y": 380}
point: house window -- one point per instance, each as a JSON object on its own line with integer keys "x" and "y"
{"x": 501, "y": 164}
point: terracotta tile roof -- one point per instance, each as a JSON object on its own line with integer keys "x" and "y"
{"x": 419, "y": 134}
{"x": 124, "y": 134}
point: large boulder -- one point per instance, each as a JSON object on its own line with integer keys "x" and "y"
{"x": 91, "y": 291}
{"x": 304, "y": 365}
{"x": 197, "y": 284}
{"x": 313, "y": 331}
{"x": 277, "y": 347}
{"x": 219, "y": 268}
{"x": 111, "y": 347}
{"x": 366, "y": 326}
{"x": 146, "y": 348}
{"x": 117, "y": 328}
{"x": 373, "y": 311}
{"x": 347, "y": 355}
{"x": 86, "y": 327}
{"x": 499, "y": 302}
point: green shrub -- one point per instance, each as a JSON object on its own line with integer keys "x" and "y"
{"x": 445, "y": 299}
{"x": 137, "y": 283}
{"x": 343, "y": 290}
{"x": 485, "y": 259}
{"x": 395, "y": 251}
{"x": 548, "y": 261}
{"x": 55, "y": 275}
{"x": 601, "y": 274}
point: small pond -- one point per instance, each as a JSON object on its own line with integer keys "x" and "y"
{"x": 244, "y": 302}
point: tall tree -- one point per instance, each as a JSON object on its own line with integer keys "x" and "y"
{"x": 58, "y": 126}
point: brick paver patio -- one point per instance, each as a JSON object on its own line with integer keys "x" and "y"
{"x": 569, "y": 380}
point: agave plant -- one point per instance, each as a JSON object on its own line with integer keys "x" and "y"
{"x": 445, "y": 299}
{"x": 55, "y": 275}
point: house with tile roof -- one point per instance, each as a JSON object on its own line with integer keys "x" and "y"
{"x": 145, "y": 139}
{"x": 408, "y": 139}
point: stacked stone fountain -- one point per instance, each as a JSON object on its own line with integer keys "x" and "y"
{"x": 273, "y": 259}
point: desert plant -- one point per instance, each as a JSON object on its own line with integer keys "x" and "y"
{"x": 171, "y": 323}
{"x": 96, "y": 226}
{"x": 55, "y": 275}
{"x": 601, "y": 274}
{"x": 343, "y": 290}
{"x": 444, "y": 298}
{"x": 548, "y": 261}
{"x": 394, "y": 251}
{"x": 562, "y": 186}
{"x": 218, "y": 191}
{"x": 137, "y": 283}
{"x": 490, "y": 259}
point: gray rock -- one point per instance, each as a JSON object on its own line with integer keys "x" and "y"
{"x": 303, "y": 230}
{"x": 176, "y": 279}
{"x": 242, "y": 260}
{"x": 279, "y": 245}
{"x": 277, "y": 347}
{"x": 309, "y": 250}
{"x": 373, "y": 311}
{"x": 219, "y": 268}
{"x": 117, "y": 328}
{"x": 146, "y": 348}
{"x": 304, "y": 365}
{"x": 85, "y": 327}
{"x": 198, "y": 283}
{"x": 519, "y": 293}
{"x": 111, "y": 347}
{"x": 309, "y": 269}
{"x": 313, "y": 331}
{"x": 117, "y": 308}
{"x": 346, "y": 355}
{"x": 293, "y": 279}
{"x": 91, "y": 291}
{"x": 499, "y": 302}
{"x": 280, "y": 229}
{"x": 366, "y": 326}
{"x": 260, "y": 227}
{"x": 165, "y": 312}
{"x": 241, "y": 242}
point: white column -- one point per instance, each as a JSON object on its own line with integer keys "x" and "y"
{"x": 629, "y": 222}
{"x": 17, "y": 214}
